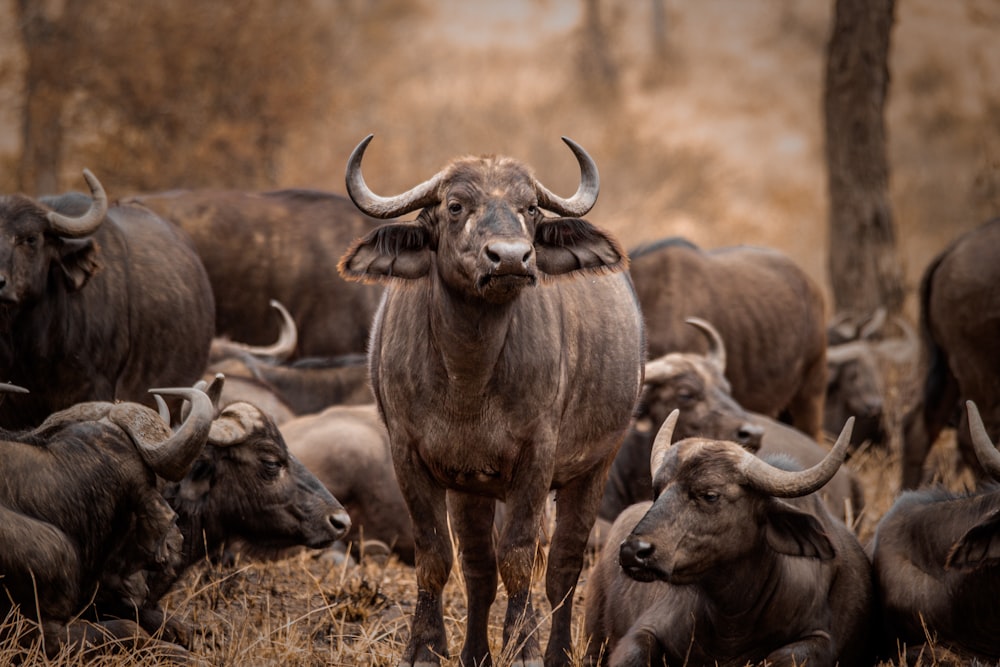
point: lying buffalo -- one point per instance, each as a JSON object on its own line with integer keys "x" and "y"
{"x": 959, "y": 327}
{"x": 695, "y": 384}
{"x": 506, "y": 359}
{"x": 259, "y": 246}
{"x": 735, "y": 562}
{"x": 771, "y": 314}
{"x": 859, "y": 372}
{"x": 347, "y": 447}
{"x": 97, "y": 302}
{"x": 245, "y": 492}
{"x": 937, "y": 567}
{"x": 80, "y": 508}
{"x": 262, "y": 375}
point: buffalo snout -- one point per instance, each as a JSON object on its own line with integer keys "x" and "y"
{"x": 750, "y": 436}
{"x": 636, "y": 555}
{"x": 509, "y": 257}
{"x": 340, "y": 522}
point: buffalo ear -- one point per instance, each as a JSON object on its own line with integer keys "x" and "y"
{"x": 792, "y": 532}
{"x": 979, "y": 545}
{"x": 395, "y": 250}
{"x": 79, "y": 259}
{"x": 563, "y": 245}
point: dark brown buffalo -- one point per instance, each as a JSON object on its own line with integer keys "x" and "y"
{"x": 506, "y": 360}
{"x": 857, "y": 373}
{"x": 768, "y": 310}
{"x": 347, "y": 448}
{"x": 245, "y": 492}
{"x": 262, "y": 376}
{"x": 937, "y": 567}
{"x": 696, "y": 385}
{"x": 277, "y": 245}
{"x": 97, "y": 302}
{"x": 959, "y": 327}
{"x": 79, "y": 507}
{"x": 735, "y": 562}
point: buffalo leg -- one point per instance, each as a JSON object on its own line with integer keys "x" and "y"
{"x": 517, "y": 551}
{"x": 425, "y": 500}
{"x": 472, "y": 519}
{"x": 576, "y": 510}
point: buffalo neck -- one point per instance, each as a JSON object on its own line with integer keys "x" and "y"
{"x": 469, "y": 335}
{"x": 741, "y": 591}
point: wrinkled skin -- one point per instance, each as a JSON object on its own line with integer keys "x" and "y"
{"x": 132, "y": 301}
{"x": 714, "y": 572}
{"x": 259, "y": 246}
{"x": 751, "y": 295}
{"x": 959, "y": 330}
{"x": 499, "y": 382}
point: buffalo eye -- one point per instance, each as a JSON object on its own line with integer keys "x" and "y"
{"x": 271, "y": 468}
{"x": 532, "y": 210}
{"x": 31, "y": 240}
{"x": 455, "y": 208}
{"x": 710, "y": 496}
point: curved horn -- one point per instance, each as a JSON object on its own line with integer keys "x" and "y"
{"x": 662, "y": 442}
{"x": 874, "y": 325}
{"x": 8, "y": 388}
{"x": 281, "y": 349}
{"x": 586, "y": 194}
{"x": 372, "y": 204}
{"x": 172, "y": 457}
{"x": 986, "y": 451}
{"x": 658, "y": 370}
{"x": 844, "y": 352}
{"x": 773, "y": 481}
{"x": 716, "y": 348}
{"x": 87, "y": 223}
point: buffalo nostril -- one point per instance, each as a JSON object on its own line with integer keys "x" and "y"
{"x": 513, "y": 255}
{"x": 634, "y": 551}
{"x": 340, "y": 521}
{"x": 749, "y": 434}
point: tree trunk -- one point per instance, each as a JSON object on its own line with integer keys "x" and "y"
{"x": 44, "y": 95}
{"x": 865, "y": 271}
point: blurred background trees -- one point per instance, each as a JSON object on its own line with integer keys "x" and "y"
{"x": 706, "y": 119}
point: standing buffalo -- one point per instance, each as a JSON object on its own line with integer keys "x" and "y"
{"x": 696, "y": 385}
{"x": 960, "y": 327}
{"x": 937, "y": 567}
{"x": 768, "y": 310}
{"x": 277, "y": 245}
{"x": 506, "y": 360}
{"x": 79, "y": 507}
{"x": 735, "y": 562}
{"x": 97, "y": 302}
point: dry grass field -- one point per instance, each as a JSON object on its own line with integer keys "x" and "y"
{"x": 316, "y": 608}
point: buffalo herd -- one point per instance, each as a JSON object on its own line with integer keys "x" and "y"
{"x": 190, "y": 375}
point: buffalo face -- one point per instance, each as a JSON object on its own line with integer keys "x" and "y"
{"x": 36, "y": 237}
{"x": 248, "y": 488}
{"x": 481, "y": 228}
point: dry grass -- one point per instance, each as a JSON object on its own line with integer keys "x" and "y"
{"x": 319, "y": 609}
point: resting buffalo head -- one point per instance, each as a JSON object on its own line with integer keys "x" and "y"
{"x": 715, "y": 502}
{"x": 481, "y": 228}
{"x": 696, "y": 385}
{"x": 246, "y": 488}
{"x": 36, "y": 238}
